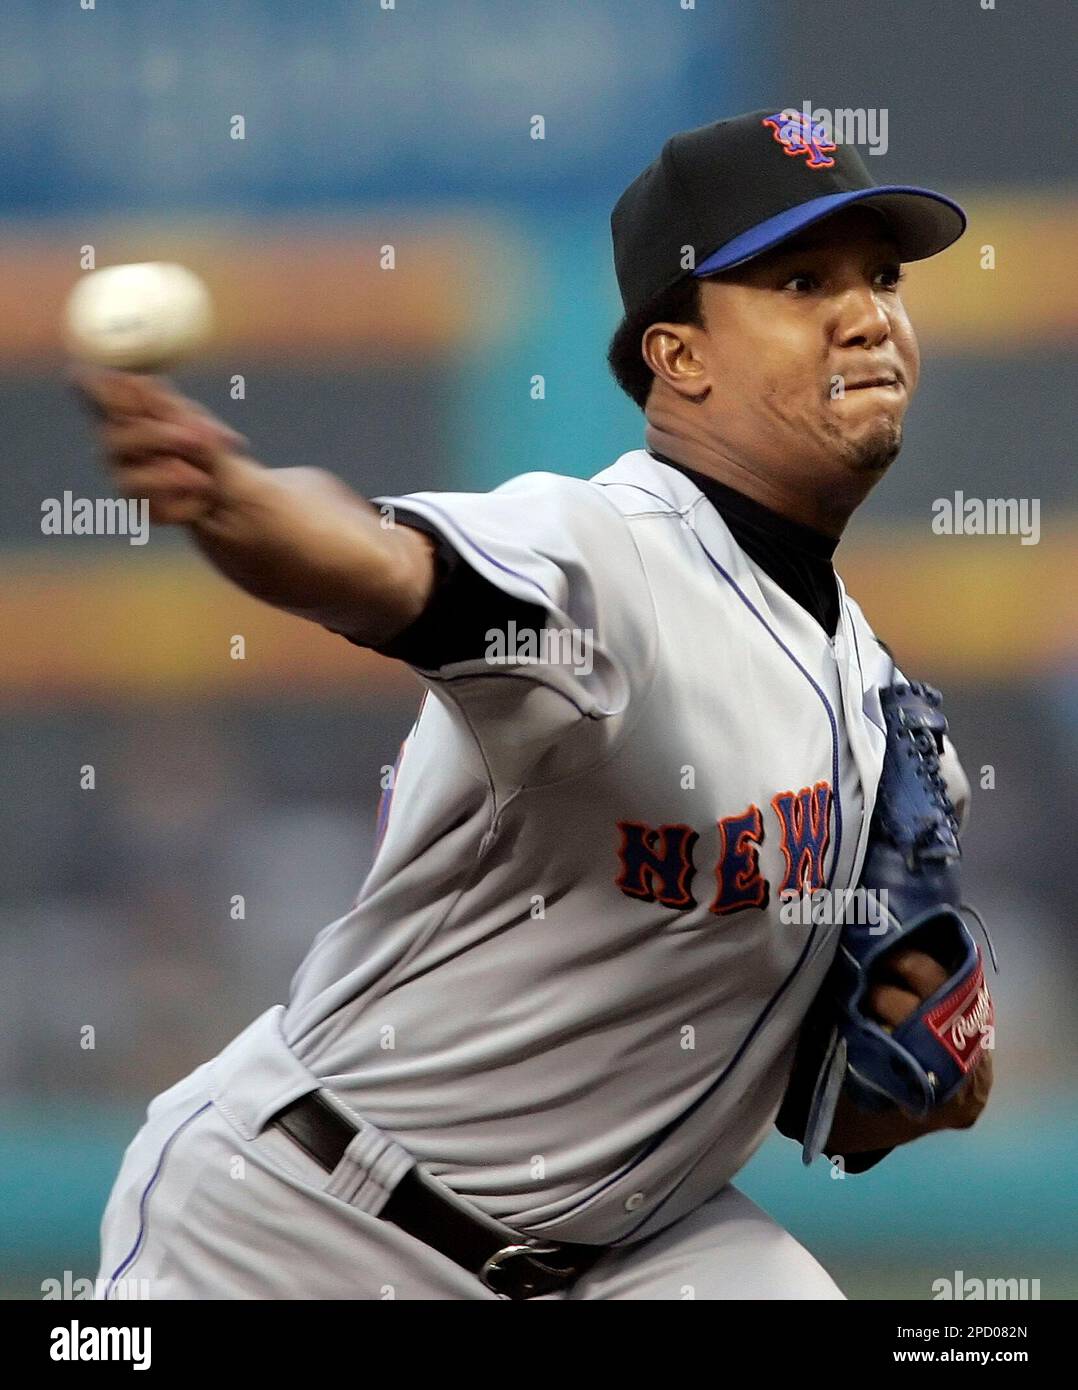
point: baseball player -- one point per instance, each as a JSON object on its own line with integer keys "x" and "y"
{"x": 570, "y": 1001}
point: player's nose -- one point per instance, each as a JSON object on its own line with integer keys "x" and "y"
{"x": 860, "y": 319}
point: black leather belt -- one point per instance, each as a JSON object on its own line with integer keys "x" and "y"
{"x": 522, "y": 1270}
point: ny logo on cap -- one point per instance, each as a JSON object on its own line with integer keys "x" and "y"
{"x": 799, "y": 134}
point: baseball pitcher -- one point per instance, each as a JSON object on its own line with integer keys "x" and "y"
{"x": 671, "y": 852}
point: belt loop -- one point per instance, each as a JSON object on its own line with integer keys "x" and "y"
{"x": 371, "y": 1167}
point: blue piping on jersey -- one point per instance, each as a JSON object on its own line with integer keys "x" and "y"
{"x": 143, "y": 1226}
{"x": 505, "y": 569}
{"x": 770, "y": 1005}
{"x": 381, "y": 818}
{"x": 836, "y": 791}
{"x": 503, "y": 675}
{"x": 674, "y": 511}
{"x": 861, "y": 673}
{"x": 671, "y": 510}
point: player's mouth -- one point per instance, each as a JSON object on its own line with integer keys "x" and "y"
{"x": 884, "y": 380}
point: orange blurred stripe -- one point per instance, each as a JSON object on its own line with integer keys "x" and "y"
{"x": 1028, "y": 299}
{"x": 976, "y": 607}
{"x": 980, "y": 607}
{"x": 314, "y": 290}
{"x": 163, "y": 628}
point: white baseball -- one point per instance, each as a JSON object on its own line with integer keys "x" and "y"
{"x": 142, "y": 317}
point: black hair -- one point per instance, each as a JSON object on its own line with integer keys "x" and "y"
{"x": 680, "y": 303}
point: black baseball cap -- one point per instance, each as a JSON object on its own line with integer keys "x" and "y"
{"x": 739, "y": 187}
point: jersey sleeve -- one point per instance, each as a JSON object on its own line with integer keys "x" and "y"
{"x": 463, "y": 608}
{"x": 542, "y": 617}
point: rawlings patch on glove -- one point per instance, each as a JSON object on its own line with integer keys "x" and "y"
{"x": 910, "y": 873}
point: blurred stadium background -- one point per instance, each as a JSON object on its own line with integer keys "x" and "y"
{"x": 409, "y": 127}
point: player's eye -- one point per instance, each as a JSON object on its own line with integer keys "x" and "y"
{"x": 890, "y": 277}
{"x": 801, "y": 283}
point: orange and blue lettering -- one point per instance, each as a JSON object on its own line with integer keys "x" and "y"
{"x": 656, "y": 864}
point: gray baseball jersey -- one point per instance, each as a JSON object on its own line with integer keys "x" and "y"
{"x": 568, "y": 986}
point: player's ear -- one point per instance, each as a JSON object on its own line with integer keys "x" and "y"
{"x": 672, "y": 352}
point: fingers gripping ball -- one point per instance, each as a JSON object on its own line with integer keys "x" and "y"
{"x": 143, "y": 317}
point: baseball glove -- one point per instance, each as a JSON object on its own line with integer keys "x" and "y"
{"x": 911, "y": 882}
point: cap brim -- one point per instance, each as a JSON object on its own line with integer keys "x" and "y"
{"x": 922, "y": 222}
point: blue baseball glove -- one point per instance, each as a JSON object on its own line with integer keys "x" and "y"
{"x": 911, "y": 882}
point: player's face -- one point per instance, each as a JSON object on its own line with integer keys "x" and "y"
{"x": 810, "y": 355}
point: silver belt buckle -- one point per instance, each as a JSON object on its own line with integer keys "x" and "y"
{"x": 497, "y": 1263}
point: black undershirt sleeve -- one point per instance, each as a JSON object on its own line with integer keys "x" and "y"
{"x": 463, "y": 608}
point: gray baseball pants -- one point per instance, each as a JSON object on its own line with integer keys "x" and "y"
{"x": 211, "y": 1203}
